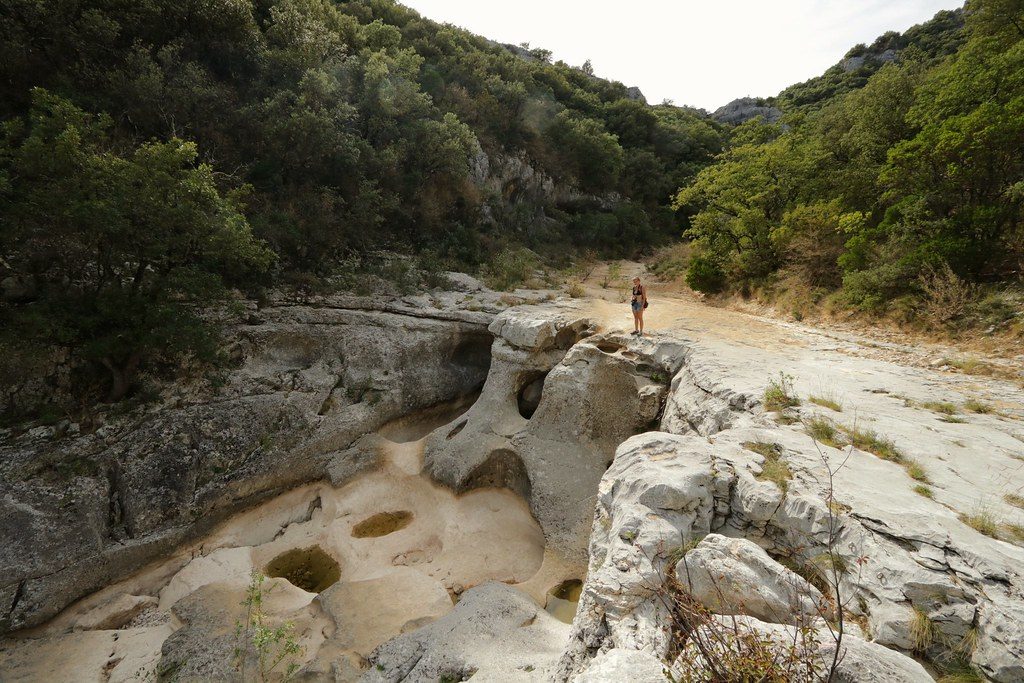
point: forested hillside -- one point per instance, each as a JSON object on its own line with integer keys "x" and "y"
{"x": 154, "y": 153}
{"x": 903, "y": 196}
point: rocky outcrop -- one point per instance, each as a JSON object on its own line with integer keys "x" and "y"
{"x": 555, "y": 405}
{"x": 745, "y": 108}
{"x": 665, "y": 491}
{"x": 735, "y": 576}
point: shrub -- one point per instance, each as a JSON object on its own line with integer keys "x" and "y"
{"x": 779, "y": 394}
{"x": 510, "y": 268}
{"x": 923, "y": 490}
{"x": 1014, "y": 500}
{"x": 946, "y": 297}
{"x": 269, "y": 646}
{"x": 705, "y": 274}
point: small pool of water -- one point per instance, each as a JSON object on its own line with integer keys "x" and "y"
{"x": 563, "y": 598}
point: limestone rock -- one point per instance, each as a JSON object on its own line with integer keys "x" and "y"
{"x": 80, "y": 511}
{"x": 618, "y": 665}
{"x": 744, "y": 109}
{"x": 495, "y": 633}
{"x": 547, "y": 421}
{"x": 736, "y": 576}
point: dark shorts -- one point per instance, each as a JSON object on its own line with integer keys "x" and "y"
{"x": 637, "y": 306}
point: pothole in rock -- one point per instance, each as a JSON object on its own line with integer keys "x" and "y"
{"x": 528, "y": 398}
{"x": 562, "y": 600}
{"x": 382, "y": 524}
{"x": 310, "y": 569}
{"x": 609, "y": 346}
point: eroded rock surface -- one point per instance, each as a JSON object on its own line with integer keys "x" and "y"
{"x": 79, "y": 512}
{"x": 636, "y": 465}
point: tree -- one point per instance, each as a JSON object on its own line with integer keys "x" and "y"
{"x": 124, "y": 250}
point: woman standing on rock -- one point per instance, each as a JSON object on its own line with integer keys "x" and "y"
{"x": 638, "y": 304}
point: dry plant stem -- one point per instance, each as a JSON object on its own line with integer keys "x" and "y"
{"x": 834, "y": 561}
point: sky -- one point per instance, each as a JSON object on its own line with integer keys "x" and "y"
{"x": 701, "y": 53}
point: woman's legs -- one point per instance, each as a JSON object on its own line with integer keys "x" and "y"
{"x": 636, "y": 321}
{"x": 640, "y": 320}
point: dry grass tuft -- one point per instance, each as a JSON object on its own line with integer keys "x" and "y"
{"x": 827, "y": 402}
{"x": 982, "y": 520}
{"x": 923, "y": 490}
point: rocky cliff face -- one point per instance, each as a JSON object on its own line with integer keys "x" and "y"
{"x": 745, "y": 108}
{"x": 640, "y": 467}
{"x": 79, "y": 511}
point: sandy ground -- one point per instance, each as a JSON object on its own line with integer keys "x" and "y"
{"x": 675, "y": 306}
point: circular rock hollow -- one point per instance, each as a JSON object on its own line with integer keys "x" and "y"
{"x": 382, "y": 524}
{"x": 563, "y": 598}
{"x": 310, "y": 569}
{"x": 609, "y": 346}
{"x": 528, "y": 397}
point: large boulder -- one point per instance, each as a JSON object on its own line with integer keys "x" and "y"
{"x": 736, "y": 576}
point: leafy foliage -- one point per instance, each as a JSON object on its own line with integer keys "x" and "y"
{"x": 906, "y": 188}
{"x": 133, "y": 131}
{"x": 119, "y": 246}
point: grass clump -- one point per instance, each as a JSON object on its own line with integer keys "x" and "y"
{"x": 922, "y": 631}
{"x": 575, "y": 290}
{"x": 870, "y": 441}
{"x": 1016, "y": 531}
{"x": 962, "y": 675}
{"x": 975, "y": 406}
{"x": 952, "y": 419}
{"x": 827, "y": 402}
{"x": 925, "y": 491}
{"x": 774, "y": 468}
{"x": 983, "y": 521}
{"x": 917, "y": 472}
{"x": 944, "y": 407}
{"x": 1015, "y": 500}
{"x": 824, "y": 430}
{"x": 970, "y": 366}
{"x": 779, "y": 394}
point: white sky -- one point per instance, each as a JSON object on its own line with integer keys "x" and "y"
{"x": 702, "y": 53}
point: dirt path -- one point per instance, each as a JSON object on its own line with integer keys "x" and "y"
{"x": 675, "y": 307}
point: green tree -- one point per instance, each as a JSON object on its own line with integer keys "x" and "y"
{"x": 124, "y": 250}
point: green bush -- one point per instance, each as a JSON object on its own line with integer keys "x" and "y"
{"x": 705, "y": 274}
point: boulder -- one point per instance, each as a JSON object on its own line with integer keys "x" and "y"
{"x": 736, "y": 576}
